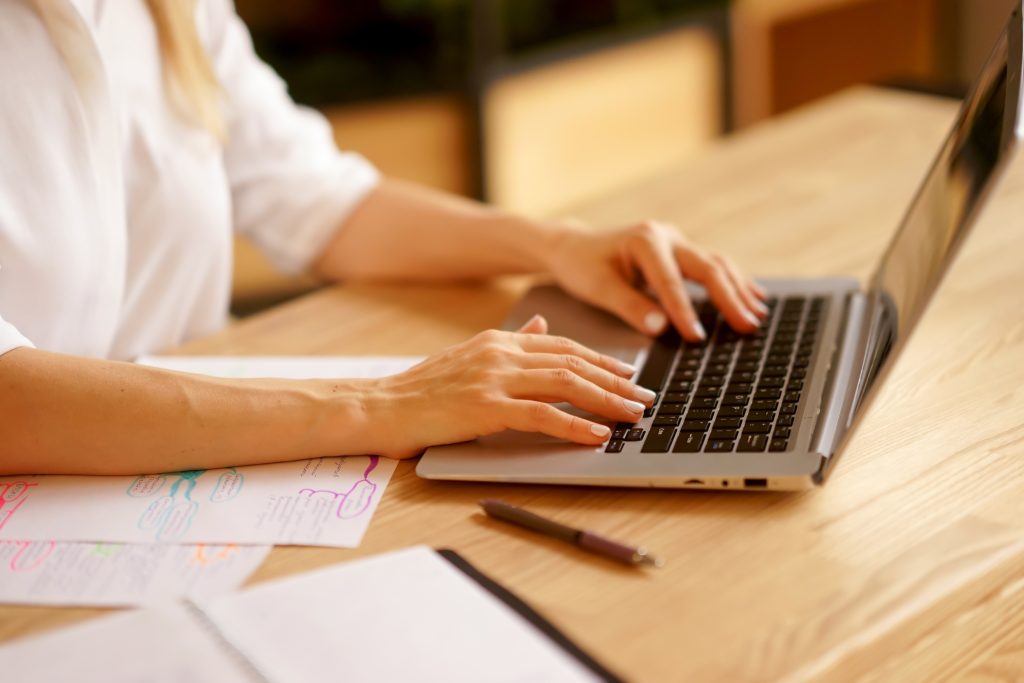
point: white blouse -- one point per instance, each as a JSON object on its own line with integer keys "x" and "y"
{"x": 116, "y": 215}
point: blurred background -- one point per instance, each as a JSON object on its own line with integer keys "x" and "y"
{"x": 537, "y": 105}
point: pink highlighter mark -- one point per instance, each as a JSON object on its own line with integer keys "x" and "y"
{"x": 357, "y": 499}
{"x": 12, "y": 495}
{"x": 24, "y": 561}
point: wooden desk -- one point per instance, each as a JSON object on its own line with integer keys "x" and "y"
{"x": 908, "y": 565}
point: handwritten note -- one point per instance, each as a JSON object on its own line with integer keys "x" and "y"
{"x": 118, "y": 574}
{"x": 321, "y": 501}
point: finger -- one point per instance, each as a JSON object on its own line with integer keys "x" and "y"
{"x": 534, "y": 416}
{"x": 698, "y": 266}
{"x": 554, "y": 385}
{"x": 661, "y": 271}
{"x": 620, "y": 297}
{"x": 589, "y": 372}
{"x": 535, "y": 325}
{"x": 744, "y": 287}
{"x": 537, "y": 343}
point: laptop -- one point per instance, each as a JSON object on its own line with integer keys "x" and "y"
{"x": 775, "y": 409}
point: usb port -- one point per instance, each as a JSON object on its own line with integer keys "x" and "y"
{"x": 755, "y": 483}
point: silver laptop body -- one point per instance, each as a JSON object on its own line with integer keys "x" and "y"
{"x": 856, "y": 338}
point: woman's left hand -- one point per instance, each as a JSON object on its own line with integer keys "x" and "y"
{"x": 602, "y": 268}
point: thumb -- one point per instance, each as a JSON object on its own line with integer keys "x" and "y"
{"x": 536, "y": 325}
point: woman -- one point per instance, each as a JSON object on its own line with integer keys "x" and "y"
{"x": 136, "y": 135}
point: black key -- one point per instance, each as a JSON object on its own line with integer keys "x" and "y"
{"x": 771, "y": 383}
{"x": 800, "y": 363}
{"x": 700, "y": 413}
{"x": 716, "y": 369}
{"x": 728, "y": 422}
{"x": 762, "y": 404}
{"x": 712, "y": 380}
{"x": 708, "y": 392}
{"x": 735, "y": 400}
{"x": 693, "y": 352}
{"x": 774, "y": 371}
{"x": 778, "y": 359}
{"x": 789, "y": 408}
{"x": 635, "y": 434}
{"x": 724, "y": 434}
{"x": 686, "y": 375}
{"x": 752, "y": 443}
{"x": 748, "y": 365}
{"x": 739, "y": 388}
{"x": 767, "y": 393}
{"x": 732, "y": 411}
{"x": 785, "y": 420}
{"x": 670, "y": 409}
{"x": 679, "y": 385}
{"x": 795, "y": 385}
{"x": 659, "y": 440}
{"x": 614, "y": 447}
{"x": 782, "y": 432}
{"x": 757, "y": 428}
{"x": 744, "y": 376}
{"x": 792, "y": 397}
{"x": 696, "y": 425}
{"x": 778, "y": 445}
{"x": 689, "y": 364}
{"x": 761, "y": 416}
{"x": 667, "y": 420}
{"x": 798, "y": 373}
{"x": 659, "y": 360}
{"x": 704, "y": 403}
{"x": 719, "y": 446}
{"x": 689, "y": 442}
{"x": 620, "y": 432}
{"x": 649, "y": 411}
{"x": 675, "y": 397}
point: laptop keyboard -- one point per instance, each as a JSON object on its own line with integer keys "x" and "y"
{"x": 735, "y": 393}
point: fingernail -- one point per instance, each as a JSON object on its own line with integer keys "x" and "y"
{"x": 761, "y": 308}
{"x": 698, "y": 329}
{"x": 645, "y": 395}
{"x": 751, "y": 318}
{"x": 600, "y": 430}
{"x": 626, "y": 368}
{"x": 655, "y": 321}
{"x": 633, "y": 406}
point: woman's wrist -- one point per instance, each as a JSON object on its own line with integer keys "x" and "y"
{"x": 540, "y": 241}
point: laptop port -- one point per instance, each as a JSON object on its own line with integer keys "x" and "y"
{"x": 755, "y": 483}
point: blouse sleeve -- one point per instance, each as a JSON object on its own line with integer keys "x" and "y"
{"x": 291, "y": 187}
{"x": 11, "y": 338}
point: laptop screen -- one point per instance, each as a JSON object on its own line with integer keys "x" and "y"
{"x": 983, "y": 136}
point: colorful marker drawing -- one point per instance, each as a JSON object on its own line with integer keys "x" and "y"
{"x": 204, "y": 558}
{"x": 228, "y": 486}
{"x": 357, "y": 499}
{"x": 12, "y": 495}
{"x": 24, "y": 561}
{"x": 169, "y": 517}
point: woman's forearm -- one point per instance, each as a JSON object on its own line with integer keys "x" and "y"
{"x": 64, "y": 414}
{"x": 406, "y": 232}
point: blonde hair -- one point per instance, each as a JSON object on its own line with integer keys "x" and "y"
{"x": 189, "y": 76}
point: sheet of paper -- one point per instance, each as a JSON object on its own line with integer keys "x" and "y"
{"x": 323, "y": 501}
{"x": 142, "y": 646}
{"x": 403, "y": 616}
{"x": 119, "y": 574}
{"x": 291, "y": 367}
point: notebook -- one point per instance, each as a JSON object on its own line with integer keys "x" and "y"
{"x": 410, "y": 615}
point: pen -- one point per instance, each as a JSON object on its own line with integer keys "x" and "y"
{"x": 587, "y": 540}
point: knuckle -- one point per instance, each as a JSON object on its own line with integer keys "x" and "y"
{"x": 574, "y": 363}
{"x": 538, "y": 412}
{"x": 563, "y": 377}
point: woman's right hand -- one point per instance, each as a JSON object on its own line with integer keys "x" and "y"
{"x": 502, "y": 380}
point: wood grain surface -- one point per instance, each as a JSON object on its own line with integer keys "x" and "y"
{"x": 907, "y": 566}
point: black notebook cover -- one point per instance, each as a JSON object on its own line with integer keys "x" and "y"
{"x": 528, "y": 613}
